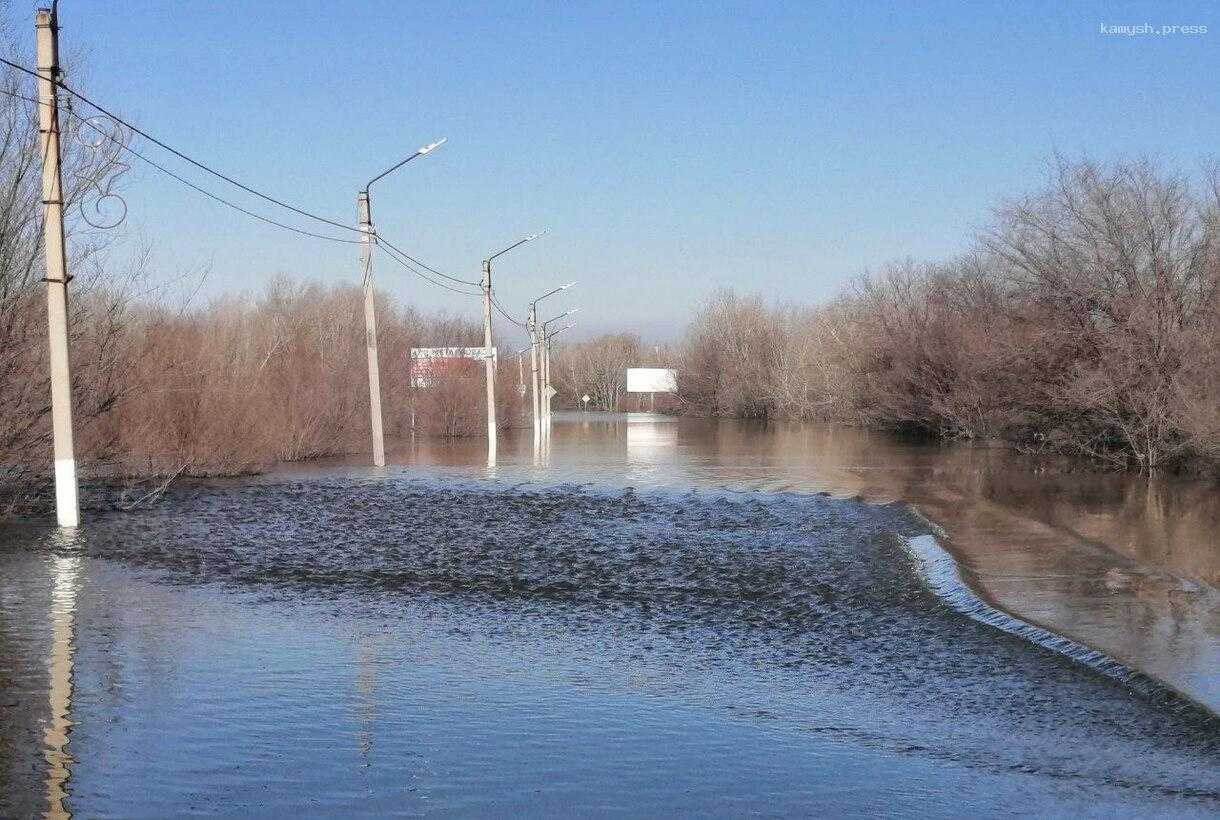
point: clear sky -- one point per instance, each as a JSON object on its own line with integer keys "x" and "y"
{"x": 670, "y": 148}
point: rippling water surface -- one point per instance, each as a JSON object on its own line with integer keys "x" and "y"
{"x": 610, "y": 627}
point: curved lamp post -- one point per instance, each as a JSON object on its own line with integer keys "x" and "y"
{"x": 364, "y": 216}
{"x": 532, "y": 325}
{"x": 546, "y": 362}
{"x": 487, "y": 347}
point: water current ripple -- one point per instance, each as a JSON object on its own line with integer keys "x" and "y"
{"x": 806, "y": 591}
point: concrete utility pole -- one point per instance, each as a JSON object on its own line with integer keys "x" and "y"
{"x": 365, "y": 218}
{"x": 546, "y": 362}
{"x": 546, "y": 380}
{"x": 490, "y": 363}
{"x": 491, "y": 369}
{"x": 548, "y": 366}
{"x": 521, "y": 371}
{"x": 67, "y": 505}
{"x": 370, "y": 327}
{"x": 532, "y": 323}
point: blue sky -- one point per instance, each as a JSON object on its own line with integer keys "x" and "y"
{"x": 670, "y": 148}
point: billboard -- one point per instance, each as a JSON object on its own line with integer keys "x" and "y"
{"x": 451, "y": 353}
{"x": 652, "y": 380}
{"x": 429, "y": 363}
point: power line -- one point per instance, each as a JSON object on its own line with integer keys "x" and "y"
{"x": 178, "y": 153}
{"x": 394, "y": 255}
{"x": 393, "y": 251}
{"x": 22, "y": 97}
{"x": 500, "y": 309}
{"x": 124, "y": 146}
{"x": 205, "y": 192}
{"x": 381, "y": 240}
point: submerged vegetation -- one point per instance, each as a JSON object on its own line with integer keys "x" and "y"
{"x": 1085, "y": 321}
{"x": 235, "y": 385}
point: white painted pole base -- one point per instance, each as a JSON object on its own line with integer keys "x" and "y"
{"x": 67, "y": 506}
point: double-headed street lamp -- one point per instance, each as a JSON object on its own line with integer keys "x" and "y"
{"x": 364, "y": 216}
{"x": 532, "y": 325}
{"x": 546, "y": 361}
{"x": 487, "y": 351}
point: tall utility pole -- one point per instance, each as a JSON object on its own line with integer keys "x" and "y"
{"x": 365, "y": 218}
{"x": 67, "y": 505}
{"x": 547, "y": 338}
{"x": 491, "y": 365}
{"x": 489, "y": 362}
{"x": 370, "y": 326}
{"x": 521, "y": 371}
{"x": 546, "y": 362}
{"x": 532, "y": 323}
{"x": 546, "y": 378}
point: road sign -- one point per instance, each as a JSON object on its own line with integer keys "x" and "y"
{"x": 551, "y": 392}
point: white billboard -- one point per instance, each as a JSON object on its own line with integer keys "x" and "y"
{"x": 479, "y": 353}
{"x": 430, "y": 363}
{"x": 652, "y": 380}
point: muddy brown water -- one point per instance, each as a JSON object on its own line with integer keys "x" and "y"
{"x": 645, "y": 616}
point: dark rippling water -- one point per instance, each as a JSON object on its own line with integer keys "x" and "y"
{"x": 347, "y": 646}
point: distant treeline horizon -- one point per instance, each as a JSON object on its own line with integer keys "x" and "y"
{"x": 1084, "y": 321}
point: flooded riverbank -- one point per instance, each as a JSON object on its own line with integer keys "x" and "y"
{"x": 601, "y": 631}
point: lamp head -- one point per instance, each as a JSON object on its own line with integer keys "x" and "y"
{"x": 427, "y": 149}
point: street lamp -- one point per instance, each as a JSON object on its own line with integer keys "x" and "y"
{"x": 546, "y": 362}
{"x": 531, "y": 323}
{"x": 487, "y": 354}
{"x": 364, "y": 215}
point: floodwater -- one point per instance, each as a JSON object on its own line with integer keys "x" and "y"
{"x": 645, "y": 617}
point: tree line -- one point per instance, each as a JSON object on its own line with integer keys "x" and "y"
{"x": 1084, "y": 320}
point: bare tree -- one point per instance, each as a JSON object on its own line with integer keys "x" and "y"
{"x": 597, "y": 368}
{"x": 97, "y": 305}
{"x": 1084, "y": 321}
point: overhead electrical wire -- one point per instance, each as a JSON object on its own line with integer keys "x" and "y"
{"x": 21, "y": 97}
{"x": 393, "y": 251}
{"x": 136, "y": 130}
{"x": 125, "y": 147}
{"x": 383, "y": 241}
{"x": 393, "y": 254}
{"x": 500, "y": 309}
{"x": 208, "y": 193}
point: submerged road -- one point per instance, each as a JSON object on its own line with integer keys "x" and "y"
{"x": 366, "y": 644}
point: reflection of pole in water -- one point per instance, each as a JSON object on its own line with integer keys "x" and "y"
{"x": 55, "y": 738}
{"x": 367, "y": 658}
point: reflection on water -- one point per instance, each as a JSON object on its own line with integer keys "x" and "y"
{"x": 55, "y": 740}
{"x": 1126, "y": 564}
{"x": 587, "y": 635}
{"x": 393, "y": 643}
